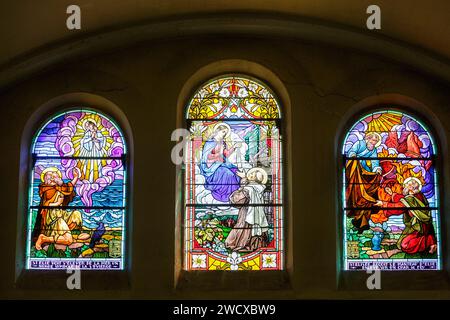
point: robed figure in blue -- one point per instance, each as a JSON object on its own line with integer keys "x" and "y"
{"x": 363, "y": 177}
{"x": 220, "y": 174}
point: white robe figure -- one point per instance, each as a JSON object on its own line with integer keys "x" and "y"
{"x": 92, "y": 146}
{"x": 251, "y": 229}
{"x": 255, "y": 214}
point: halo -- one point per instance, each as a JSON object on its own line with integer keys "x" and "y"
{"x": 50, "y": 169}
{"x": 223, "y": 124}
{"x": 375, "y": 134}
{"x": 263, "y": 172}
{"x": 413, "y": 179}
{"x": 87, "y": 119}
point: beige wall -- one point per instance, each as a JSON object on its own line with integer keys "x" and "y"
{"x": 325, "y": 86}
{"x": 38, "y": 25}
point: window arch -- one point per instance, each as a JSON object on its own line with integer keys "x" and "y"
{"x": 390, "y": 194}
{"x": 77, "y": 202}
{"x": 233, "y": 177}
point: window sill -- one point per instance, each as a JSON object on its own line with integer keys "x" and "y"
{"x": 396, "y": 280}
{"x": 229, "y": 280}
{"x": 57, "y": 280}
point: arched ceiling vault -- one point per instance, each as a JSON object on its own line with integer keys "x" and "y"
{"x": 34, "y": 35}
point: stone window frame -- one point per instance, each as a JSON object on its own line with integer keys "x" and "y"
{"x": 229, "y": 280}
{"x": 396, "y": 280}
{"x": 56, "y": 279}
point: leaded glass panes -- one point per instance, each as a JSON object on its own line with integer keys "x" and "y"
{"x": 390, "y": 194}
{"x": 233, "y": 178}
{"x": 76, "y": 211}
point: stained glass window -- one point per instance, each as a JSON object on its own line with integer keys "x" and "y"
{"x": 390, "y": 194}
{"x": 233, "y": 178}
{"x": 77, "y": 193}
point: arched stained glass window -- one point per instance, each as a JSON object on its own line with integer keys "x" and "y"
{"x": 77, "y": 193}
{"x": 233, "y": 178}
{"x": 390, "y": 194}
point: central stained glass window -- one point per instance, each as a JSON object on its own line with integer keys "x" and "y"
{"x": 233, "y": 178}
